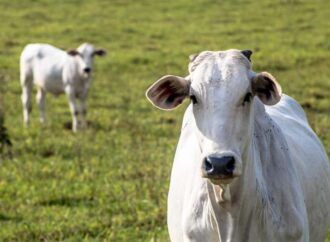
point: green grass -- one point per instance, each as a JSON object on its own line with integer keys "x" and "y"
{"x": 110, "y": 182}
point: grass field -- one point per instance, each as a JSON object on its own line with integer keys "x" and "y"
{"x": 110, "y": 182}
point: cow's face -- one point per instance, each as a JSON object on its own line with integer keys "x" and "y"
{"x": 221, "y": 86}
{"x": 85, "y": 54}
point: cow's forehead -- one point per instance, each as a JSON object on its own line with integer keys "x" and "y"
{"x": 86, "y": 49}
{"x": 232, "y": 57}
{"x": 229, "y": 69}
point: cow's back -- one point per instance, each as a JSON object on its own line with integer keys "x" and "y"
{"x": 40, "y": 51}
{"x": 44, "y": 64}
{"x": 310, "y": 160}
{"x": 44, "y": 56}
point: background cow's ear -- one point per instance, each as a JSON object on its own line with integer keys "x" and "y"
{"x": 72, "y": 52}
{"x": 265, "y": 86}
{"x": 168, "y": 92}
{"x": 100, "y": 52}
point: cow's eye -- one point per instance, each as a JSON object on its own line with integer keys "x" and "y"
{"x": 193, "y": 99}
{"x": 247, "y": 98}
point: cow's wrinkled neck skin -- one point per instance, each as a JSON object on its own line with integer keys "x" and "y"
{"x": 248, "y": 207}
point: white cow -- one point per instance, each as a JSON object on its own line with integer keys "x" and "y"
{"x": 56, "y": 71}
{"x": 248, "y": 167}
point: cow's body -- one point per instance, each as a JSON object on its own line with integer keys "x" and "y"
{"x": 56, "y": 71}
{"x": 45, "y": 64}
{"x": 248, "y": 167}
{"x": 192, "y": 214}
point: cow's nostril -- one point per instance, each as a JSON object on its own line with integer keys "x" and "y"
{"x": 208, "y": 165}
{"x": 218, "y": 167}
{"x": 230, "y": 166}
{"x": 87, "y": 70}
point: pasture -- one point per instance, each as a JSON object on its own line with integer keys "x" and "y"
{"x": 110, "y": 182}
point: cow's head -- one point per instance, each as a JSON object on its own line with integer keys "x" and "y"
{"x": 222, "y": 88}
{"x": 85, "y": 55}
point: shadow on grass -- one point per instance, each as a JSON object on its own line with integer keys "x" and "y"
{"x": 68, "y": 201}
{"x": 67, "y": 125}
{"x": 6, "y": 218}
{"x": 90, "y": 125}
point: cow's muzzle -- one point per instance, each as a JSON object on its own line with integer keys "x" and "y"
{"x": 218, "y": 168}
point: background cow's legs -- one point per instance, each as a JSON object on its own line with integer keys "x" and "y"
{"x": 41, "y": 94}
{"x": 83, "y": 111}
{"x": 73, "y": 107}
{"x": 27, "y": 84}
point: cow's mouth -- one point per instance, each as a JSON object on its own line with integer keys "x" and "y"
{"x": 221, "y": 181}
{"x": 218, "y": 178}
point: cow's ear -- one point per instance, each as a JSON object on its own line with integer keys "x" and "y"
{"x": 100, "y": 52}
{"x": 168, "y": 92}
{"x": 72, "y": 52}
{"x": 265, "y": 86}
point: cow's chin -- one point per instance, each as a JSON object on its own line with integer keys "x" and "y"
{"x": 86, "y": 75}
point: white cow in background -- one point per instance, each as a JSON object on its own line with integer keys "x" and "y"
{"x": 248, "y": 167}
{"x": 56, "y": 71}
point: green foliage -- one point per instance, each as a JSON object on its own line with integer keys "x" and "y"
{"x": 110, "y": 182}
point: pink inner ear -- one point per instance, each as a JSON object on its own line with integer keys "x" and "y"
{"x": 169, "y": 94}
{"x": 174, "y": 100}
{"x": 166, "y": 91}
{"x": 178, "y": 101}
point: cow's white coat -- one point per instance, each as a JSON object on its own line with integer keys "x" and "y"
{"x": 281, "y": 192}
{"x": 56, "y": 71}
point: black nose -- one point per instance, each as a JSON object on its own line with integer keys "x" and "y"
{"x": 87, "y": 69}
{"x": 218, "y": 167}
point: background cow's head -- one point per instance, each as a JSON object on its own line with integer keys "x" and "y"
{"x": 85, "y": 54}
{"x": 221, "y": 87}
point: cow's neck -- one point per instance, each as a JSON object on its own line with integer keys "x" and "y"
{"x": 231, "y": 202}
{"x": 249, "y": 203}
